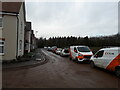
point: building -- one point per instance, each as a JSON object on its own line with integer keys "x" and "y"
{"x": 30, "y": 39}
{"x": 33, "y": 41}
{"x": 28, "y": 35}
{"x": 12, "y": 28}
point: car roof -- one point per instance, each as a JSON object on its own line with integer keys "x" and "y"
{"x": 111, "y": 48}
{"x": 59, "y": 48}
{"x": 79, "y": 46}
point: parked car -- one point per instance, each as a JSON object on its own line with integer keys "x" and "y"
{"x": 107, "y": 58}
{"x": 58, "y": 51}
{"x": 54, "y": 48}
{"x": 80, "y": 53}
{"x": 65, "y": 52}
{"x": 49, "y": 49}
{"x": 45, "y": 47}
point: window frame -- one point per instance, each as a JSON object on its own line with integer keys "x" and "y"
{"x": 20, "y": 45}
{"x": 3, "y": 46}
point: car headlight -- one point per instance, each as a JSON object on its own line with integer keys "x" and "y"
{"x": 80, "y": 54}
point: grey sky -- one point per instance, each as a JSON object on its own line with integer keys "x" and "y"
{"x": 73, "y": 18}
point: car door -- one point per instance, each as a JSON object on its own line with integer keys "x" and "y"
{"x": 98, "y": 59}
{"x": 109, "y": 57}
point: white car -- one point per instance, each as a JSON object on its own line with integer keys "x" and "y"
{"x": 80, "y": 53}
{"x": 107, "y": 58}
{"x": 65, "y": 52}
{"x": 58, "y": 51}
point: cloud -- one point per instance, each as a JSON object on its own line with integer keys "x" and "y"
{"x": 73, "y": 18}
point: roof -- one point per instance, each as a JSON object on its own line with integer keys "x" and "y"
{"x": 11, "y": 7}
{"x": 111, "y": 48}
{"x": 79, "y": 46}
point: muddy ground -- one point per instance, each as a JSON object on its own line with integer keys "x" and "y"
{"x": 59, "y": 72}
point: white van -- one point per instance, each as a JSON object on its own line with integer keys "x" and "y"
{"x": 107, "y": 58}
{"x": 80, "y": 53}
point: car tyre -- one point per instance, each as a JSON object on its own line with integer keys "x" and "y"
{"x": 61, "y": 55}
{"x": 117, "y": 72}
{"x": 70, "y": 58}
{"x": 92, "y": 64}
{"x": 76, "y": 60}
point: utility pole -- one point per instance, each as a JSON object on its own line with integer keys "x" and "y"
{"x": 36, "y": 33}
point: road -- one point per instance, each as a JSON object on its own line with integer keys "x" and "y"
{"x": 59, "y": 72}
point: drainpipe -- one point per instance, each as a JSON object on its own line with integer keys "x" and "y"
{"x": 17, "y": 36}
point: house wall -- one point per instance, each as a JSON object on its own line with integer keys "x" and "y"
{"x": 21, "y": 32}
{"x": 13, "y": 33}
{"x": 9, "y": 34}
{"x": 0, "y": 32}
{"x": 0, "y": 37}
{"x": 33, "y": 42}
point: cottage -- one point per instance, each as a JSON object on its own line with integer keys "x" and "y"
{"x": 30, "y": 39}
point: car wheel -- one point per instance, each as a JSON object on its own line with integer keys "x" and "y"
{"x": 117, "y": 72}
{"x": 70, "y": 58}
{"x": 61, "y": 55}
{"x": 76, "y": 59}
{"x": 92, "y": 64}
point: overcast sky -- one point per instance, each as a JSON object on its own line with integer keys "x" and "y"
{"x": 73, "y": 18}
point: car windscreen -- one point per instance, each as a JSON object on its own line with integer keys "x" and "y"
{"x": 83, "y": 49}
{"x": 66, "y": 51}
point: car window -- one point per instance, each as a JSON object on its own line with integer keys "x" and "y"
{"x": 99, "y": 54}
{"x": 66, "y": 51}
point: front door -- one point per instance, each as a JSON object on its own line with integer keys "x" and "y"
{"x": 98, "y": 59}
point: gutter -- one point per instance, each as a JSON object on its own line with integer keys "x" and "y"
{"x": 8, "y": 13}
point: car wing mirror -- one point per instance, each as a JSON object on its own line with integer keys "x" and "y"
{"x": 96, "y": 56}
{"x": 75, "y": 51}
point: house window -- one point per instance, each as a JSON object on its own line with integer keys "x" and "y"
{"x": 0, "y": 21}
{"x": 2, "y": 47}
{"x": 20, "y": 48}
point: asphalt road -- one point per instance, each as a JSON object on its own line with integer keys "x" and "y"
{"x": 59, "y": 72}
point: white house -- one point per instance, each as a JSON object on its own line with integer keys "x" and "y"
{"x": 12, "y": 28}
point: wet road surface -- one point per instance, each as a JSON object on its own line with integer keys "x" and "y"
{"x": 59, "y": 72}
